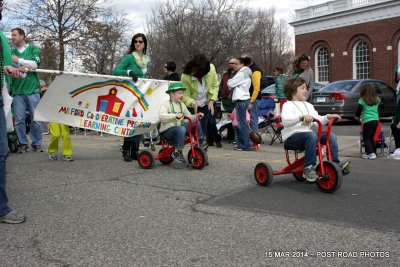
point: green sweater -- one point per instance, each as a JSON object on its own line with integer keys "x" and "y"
{"x": 30, "y": 84}
{"x": 128, "y": 63}
{"x": 369, "y": 113}
{"x": 5, "y": 60}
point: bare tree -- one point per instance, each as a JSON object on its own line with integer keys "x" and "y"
{"x": 57, "y": 20}
{"x": 269, "y": 43}
{"x": 49, "y": 58}
{"x": 180, "y": 29}
{"x": 102, "y": 43}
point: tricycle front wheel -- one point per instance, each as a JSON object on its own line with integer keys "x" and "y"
{"x": 332, "y": 179}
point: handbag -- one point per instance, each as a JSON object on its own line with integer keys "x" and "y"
{"x": 254, "y": 136}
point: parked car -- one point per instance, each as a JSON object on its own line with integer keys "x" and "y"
{"x": 267, "y": 81}
{"x": 270, "y": 90}
{"x": 342, "y": 97}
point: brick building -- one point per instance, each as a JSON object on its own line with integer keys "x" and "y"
{"x": 350, "y": 39}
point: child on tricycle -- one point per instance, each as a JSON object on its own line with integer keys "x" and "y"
{"x": 297, "y": 118}
{"x": 177, "y": 128}
{"x": 173, "y": 126}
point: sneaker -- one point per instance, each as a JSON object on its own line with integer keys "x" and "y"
{"x": 310, "y": 175}
{"x": 22, "y": 149}
{"x": 53, "y": 157}
{"x": 372, "y": 156}
{"x": 364, "y": 156}
{"x": 37, "y": 148}
{"x": 146, "y": 144}
{"x": 13, "y": 218}
{"x": 178, "y": 156}
{"x": 204, "y": 147}
{"x": 345, "y": 167}
{"x": 237, "y": 148}
{"x": 67, "y": 158}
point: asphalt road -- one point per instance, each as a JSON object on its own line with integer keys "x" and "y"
{"x": 101, "y": 211}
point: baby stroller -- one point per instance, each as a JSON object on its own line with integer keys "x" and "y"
{"x": 12, "y": 137}
{"x": 268, "y": 123}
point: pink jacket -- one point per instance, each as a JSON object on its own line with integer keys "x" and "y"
{"x": 233, "y": 117}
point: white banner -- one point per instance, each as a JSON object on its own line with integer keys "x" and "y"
{"x": 108, "y": 104}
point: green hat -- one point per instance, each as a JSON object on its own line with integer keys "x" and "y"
{"x": 175, "y": 86}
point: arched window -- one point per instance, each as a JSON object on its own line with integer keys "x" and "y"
{"x": 398, "y": 53}
{"x": 361, "y": 60}
{"x": 322, "y": 65}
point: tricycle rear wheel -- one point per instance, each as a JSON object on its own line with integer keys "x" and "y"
{"x": 263, "y": 174}
{"x": 146, "y": 160}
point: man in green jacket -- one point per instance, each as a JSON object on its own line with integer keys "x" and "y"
{"x": 7, "y": 215}
{"x": 26, "y": 91}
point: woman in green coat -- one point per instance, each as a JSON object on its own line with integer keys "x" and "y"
{"x": 134, "y": 64}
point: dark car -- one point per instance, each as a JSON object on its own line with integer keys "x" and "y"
{"x": 270, "y": 90}
{"x": 267, "y": 81}
{"x": 342, "y": 97}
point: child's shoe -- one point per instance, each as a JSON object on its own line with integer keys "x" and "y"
{"x": 310, "y": 175}
{"x": 67, "y": 158}
{"x": 178, "y": 156}
{"x": 53, "y": 157}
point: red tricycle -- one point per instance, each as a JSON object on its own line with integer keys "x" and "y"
{"x": 330, "y": 176}
{"x": 197, "y": 157}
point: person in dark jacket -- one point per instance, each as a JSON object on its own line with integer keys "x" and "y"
{"x": 395, "y": 126}
{"x": 169, "y": 70}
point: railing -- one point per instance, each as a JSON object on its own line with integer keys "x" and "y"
{"x": 333, "y": 7}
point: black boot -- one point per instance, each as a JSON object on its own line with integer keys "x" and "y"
{"x": 210, "y": 140}
{"x": 127, "y": 156}
{"x": 135, "y": 150}
{"x": 218, "y": 139}
{"x": 126, "y": 152}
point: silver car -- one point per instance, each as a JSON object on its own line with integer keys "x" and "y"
{"x": 342, "y": 97}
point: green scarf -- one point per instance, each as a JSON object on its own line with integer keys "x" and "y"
{"x": 141, "y": 62}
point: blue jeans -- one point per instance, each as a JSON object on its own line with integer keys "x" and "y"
{"x": 21, "y": 104}
{"x": 308, "y": 141}
{"x": 204, "y": 120}
{"x": 175, "y": 135}
{"x": 243, "y": 141}
{"x": 4, "y": 208}
{"x": 254, "y": 116}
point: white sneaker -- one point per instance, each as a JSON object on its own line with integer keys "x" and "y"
{"x": 372, "y": 156}
{"x": 310, "y": 175}
{"x": 364, "y": 156}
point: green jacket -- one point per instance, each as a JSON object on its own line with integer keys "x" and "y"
{"x": 30, "y": 84}
{"x": 211, "y": 85}
{"x": 128, "y": 63}
{"x": 6, "y": 59}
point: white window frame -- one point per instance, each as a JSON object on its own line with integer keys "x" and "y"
{"x": 355, "y": 58}
{"x": 316, "y": 56}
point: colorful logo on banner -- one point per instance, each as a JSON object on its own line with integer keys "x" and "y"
{"x": 112, "y": 96}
